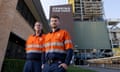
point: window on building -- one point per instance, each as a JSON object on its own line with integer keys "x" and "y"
{"x": 15, "y": 48}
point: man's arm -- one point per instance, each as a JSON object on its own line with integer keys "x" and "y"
{"x": 69, "y": 50}
{"x": 67, "y": 59}
{"x": 69, "y": 47}
{"x": 69, "y": 55}
{"x": 43, "y": 57}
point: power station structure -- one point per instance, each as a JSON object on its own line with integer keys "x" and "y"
{"x": 91, "y": 36}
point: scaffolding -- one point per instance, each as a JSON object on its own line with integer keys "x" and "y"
{"x": 88, "y": 9}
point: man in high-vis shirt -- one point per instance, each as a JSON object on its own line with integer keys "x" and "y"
{"x": 58, "y": 48}
{"x": 34, "y": 48}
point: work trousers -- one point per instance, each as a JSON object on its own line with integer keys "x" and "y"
{"x": 53, "y": 67}
{"x": 32, "y": 66}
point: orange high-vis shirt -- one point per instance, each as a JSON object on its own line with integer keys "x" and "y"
{"x": 35, "y": 44}
{"x": 58, "y": 41}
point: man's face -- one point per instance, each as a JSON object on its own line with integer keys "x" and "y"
{"x": 38, "y": 26}
{"x": 54, "y": 22}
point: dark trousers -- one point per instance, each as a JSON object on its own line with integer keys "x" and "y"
{"x": 32, "y": 66}
{"x": 53, "y": 67}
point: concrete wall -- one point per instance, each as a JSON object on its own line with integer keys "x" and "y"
{"x": 11, "y": 21}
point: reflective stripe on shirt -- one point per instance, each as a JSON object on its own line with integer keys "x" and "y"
{"x": 33, "y": 51}
{"x": 34, "y": 46}
{"x": 54, "y": 44}
{"x": 55, "y": 50}
{"x": 67, "y": 41}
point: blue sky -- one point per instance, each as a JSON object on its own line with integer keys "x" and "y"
{"x": 111, "y": 7}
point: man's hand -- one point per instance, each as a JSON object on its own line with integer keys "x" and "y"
{"x": 42, "y": 66}
{"x": 63, "y": 65}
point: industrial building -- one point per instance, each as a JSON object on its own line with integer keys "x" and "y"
{"x": 17, "y": 19}
{"x": 91, "y": 36}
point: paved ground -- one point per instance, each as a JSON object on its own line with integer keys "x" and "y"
{"x": 98, "y": 69}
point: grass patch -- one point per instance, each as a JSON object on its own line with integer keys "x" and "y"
{"x": 13, "y": 65}
{"x": 78, "y": 69}
{"x": 16, "y": 65}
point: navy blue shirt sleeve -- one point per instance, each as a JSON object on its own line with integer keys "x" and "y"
{"x": 68, "y": 56}
{"x": 43, "y": 58}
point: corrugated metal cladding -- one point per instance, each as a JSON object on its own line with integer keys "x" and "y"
{"x": 89, "y": 35}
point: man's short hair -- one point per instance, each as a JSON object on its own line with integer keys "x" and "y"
{"x": 38, "y": 22}
{"x": 55, "y": 16}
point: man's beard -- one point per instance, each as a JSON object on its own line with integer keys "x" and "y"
{"x": 54, "y": 26}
